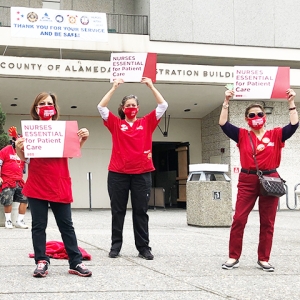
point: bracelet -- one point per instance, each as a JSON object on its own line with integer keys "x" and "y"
{"x": 292, "y": 108}
{"x": 225, "y": 105}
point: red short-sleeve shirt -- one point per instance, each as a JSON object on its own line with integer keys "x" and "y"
{"x": 132, "y": 145}
{"x": 49, "y": 179}
{"x": 268, "y": 149}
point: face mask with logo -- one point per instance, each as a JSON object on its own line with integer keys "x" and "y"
{"x": 130, "y": 112}
{"x": 46, "y": 112}
{"x": 257, "y": 122}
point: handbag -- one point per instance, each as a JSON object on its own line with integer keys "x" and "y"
{"x": 269, "y": 186}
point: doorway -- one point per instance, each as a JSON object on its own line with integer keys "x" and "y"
{"x": 171, "y": 162}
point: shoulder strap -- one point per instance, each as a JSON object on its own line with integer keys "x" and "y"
{"x": 254, "y": 155}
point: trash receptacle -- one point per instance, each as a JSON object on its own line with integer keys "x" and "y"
{"x": 208, "y": 196}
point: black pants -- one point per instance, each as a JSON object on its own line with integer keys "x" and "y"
{"x": 139, "y": 186}
{"x": 62, "y": 214}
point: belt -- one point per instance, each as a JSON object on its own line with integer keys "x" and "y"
{"x": 265, "y": 172}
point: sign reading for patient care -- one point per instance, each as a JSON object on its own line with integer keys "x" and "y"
{"x": 58, "y": 24}
{"x": 131, "y": 67}
{"x": 261, "y": 82}
{"x": 50, "y": 139}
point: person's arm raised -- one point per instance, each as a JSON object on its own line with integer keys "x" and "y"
{"x": 294, "y": 119}
{"x": 158, "y": 97}
{"x": 224, "y": 112}
{"x": 104, "y": 101}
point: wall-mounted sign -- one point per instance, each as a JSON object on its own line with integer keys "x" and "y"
{"x": 58, "y": 24}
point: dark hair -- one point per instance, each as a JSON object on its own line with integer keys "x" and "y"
{"x": 121, "y": 106}
{"x": 251, "y": 106}
{"x": 39, "y": 98}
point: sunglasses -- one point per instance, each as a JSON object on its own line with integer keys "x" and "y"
{"x": 259, "y": 114}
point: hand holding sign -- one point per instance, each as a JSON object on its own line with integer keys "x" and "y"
{"x": 290, "y": 95}
{"x": 147, "y": 81}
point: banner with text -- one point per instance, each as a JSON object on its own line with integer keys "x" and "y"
{"x": 261, "y": 82}
{"x": 50, "y": 139}
{"x": 58, "y": 24}
{"x": 131, "y": 67}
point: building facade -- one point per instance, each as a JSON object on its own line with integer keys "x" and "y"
{"x": 197, "y": 44}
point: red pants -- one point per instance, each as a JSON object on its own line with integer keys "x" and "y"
{"x": 248, "y": 191}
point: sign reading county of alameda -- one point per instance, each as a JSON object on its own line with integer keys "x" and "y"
{"x": 261, "y": 82}
{"x": 50, "y": 139}
{"x": 131, "y": 67}
{"x": 58, "y": 24}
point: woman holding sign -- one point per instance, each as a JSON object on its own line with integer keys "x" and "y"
{"x": 131, "y": 165}
{"x": 49, "y": 183}
{"x": 267, "y": 146}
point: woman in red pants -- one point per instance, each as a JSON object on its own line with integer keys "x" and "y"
{"x": 267, "y": 146}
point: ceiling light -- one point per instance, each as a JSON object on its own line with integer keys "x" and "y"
{"x": 16, "y": 98}
{"x": 187, "y": 109}
{"x": 73, "y": 106}
{"x": 13, "y": 104}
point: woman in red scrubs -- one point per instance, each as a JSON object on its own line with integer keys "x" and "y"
{"x": 49, "y": 183}
{"x": 131, "y": 165}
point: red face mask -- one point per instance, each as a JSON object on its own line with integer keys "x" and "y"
{"x": 130, "y": 112}
{"x": 257, "y": 122}
{"x": 46, "y": 112}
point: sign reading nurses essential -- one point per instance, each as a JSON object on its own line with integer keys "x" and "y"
{"x": 50, "y": 139}
{"x": 58, "y": 24}
{"x": 261, "y": 82}
{"x": 131, "y": 67}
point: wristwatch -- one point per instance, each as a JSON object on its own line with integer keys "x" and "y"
{"x": 225, "y": 105}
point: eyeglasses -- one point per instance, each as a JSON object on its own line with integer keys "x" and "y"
{"x": 259, "y": 114}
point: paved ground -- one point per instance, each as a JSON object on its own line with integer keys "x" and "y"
{"x": 187, "y": 262}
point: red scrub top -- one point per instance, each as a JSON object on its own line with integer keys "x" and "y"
{"x": 49, "y": 179}
{"x": 11, "y": 169}
{"x": 132, "y": 145}
{"x": 268, "y": 149}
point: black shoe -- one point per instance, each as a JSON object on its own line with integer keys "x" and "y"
{"x": 146, "y": 254}
{"x": 266, "y": 267}
{"x": 81, "y": 270}
{"x": 113, "y": 253}
{"x": 227, "y": 266}
{"x": 41, "y": 269}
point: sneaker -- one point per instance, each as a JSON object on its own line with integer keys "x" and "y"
{"x": 265, "y": 266}
{"x": 41, "y": 269}
{"x": 146, "y": 254}
{"x": 81, "y": 270}
{"x": 21, "y": 224}
{"x": 227, "y": 266}
{"x": 9, "y": 224}
{"x": 113, "y": 253}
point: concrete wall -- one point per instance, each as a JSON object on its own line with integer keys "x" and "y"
{"x": 22, "y": 3}
{"x": 251, "y": 22}
{"x": 106, "y": 6}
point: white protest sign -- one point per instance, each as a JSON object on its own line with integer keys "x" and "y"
{"x": 261, "y": 82}
{"x": 131, "y": 67}
{"x": 50, "y": 139}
